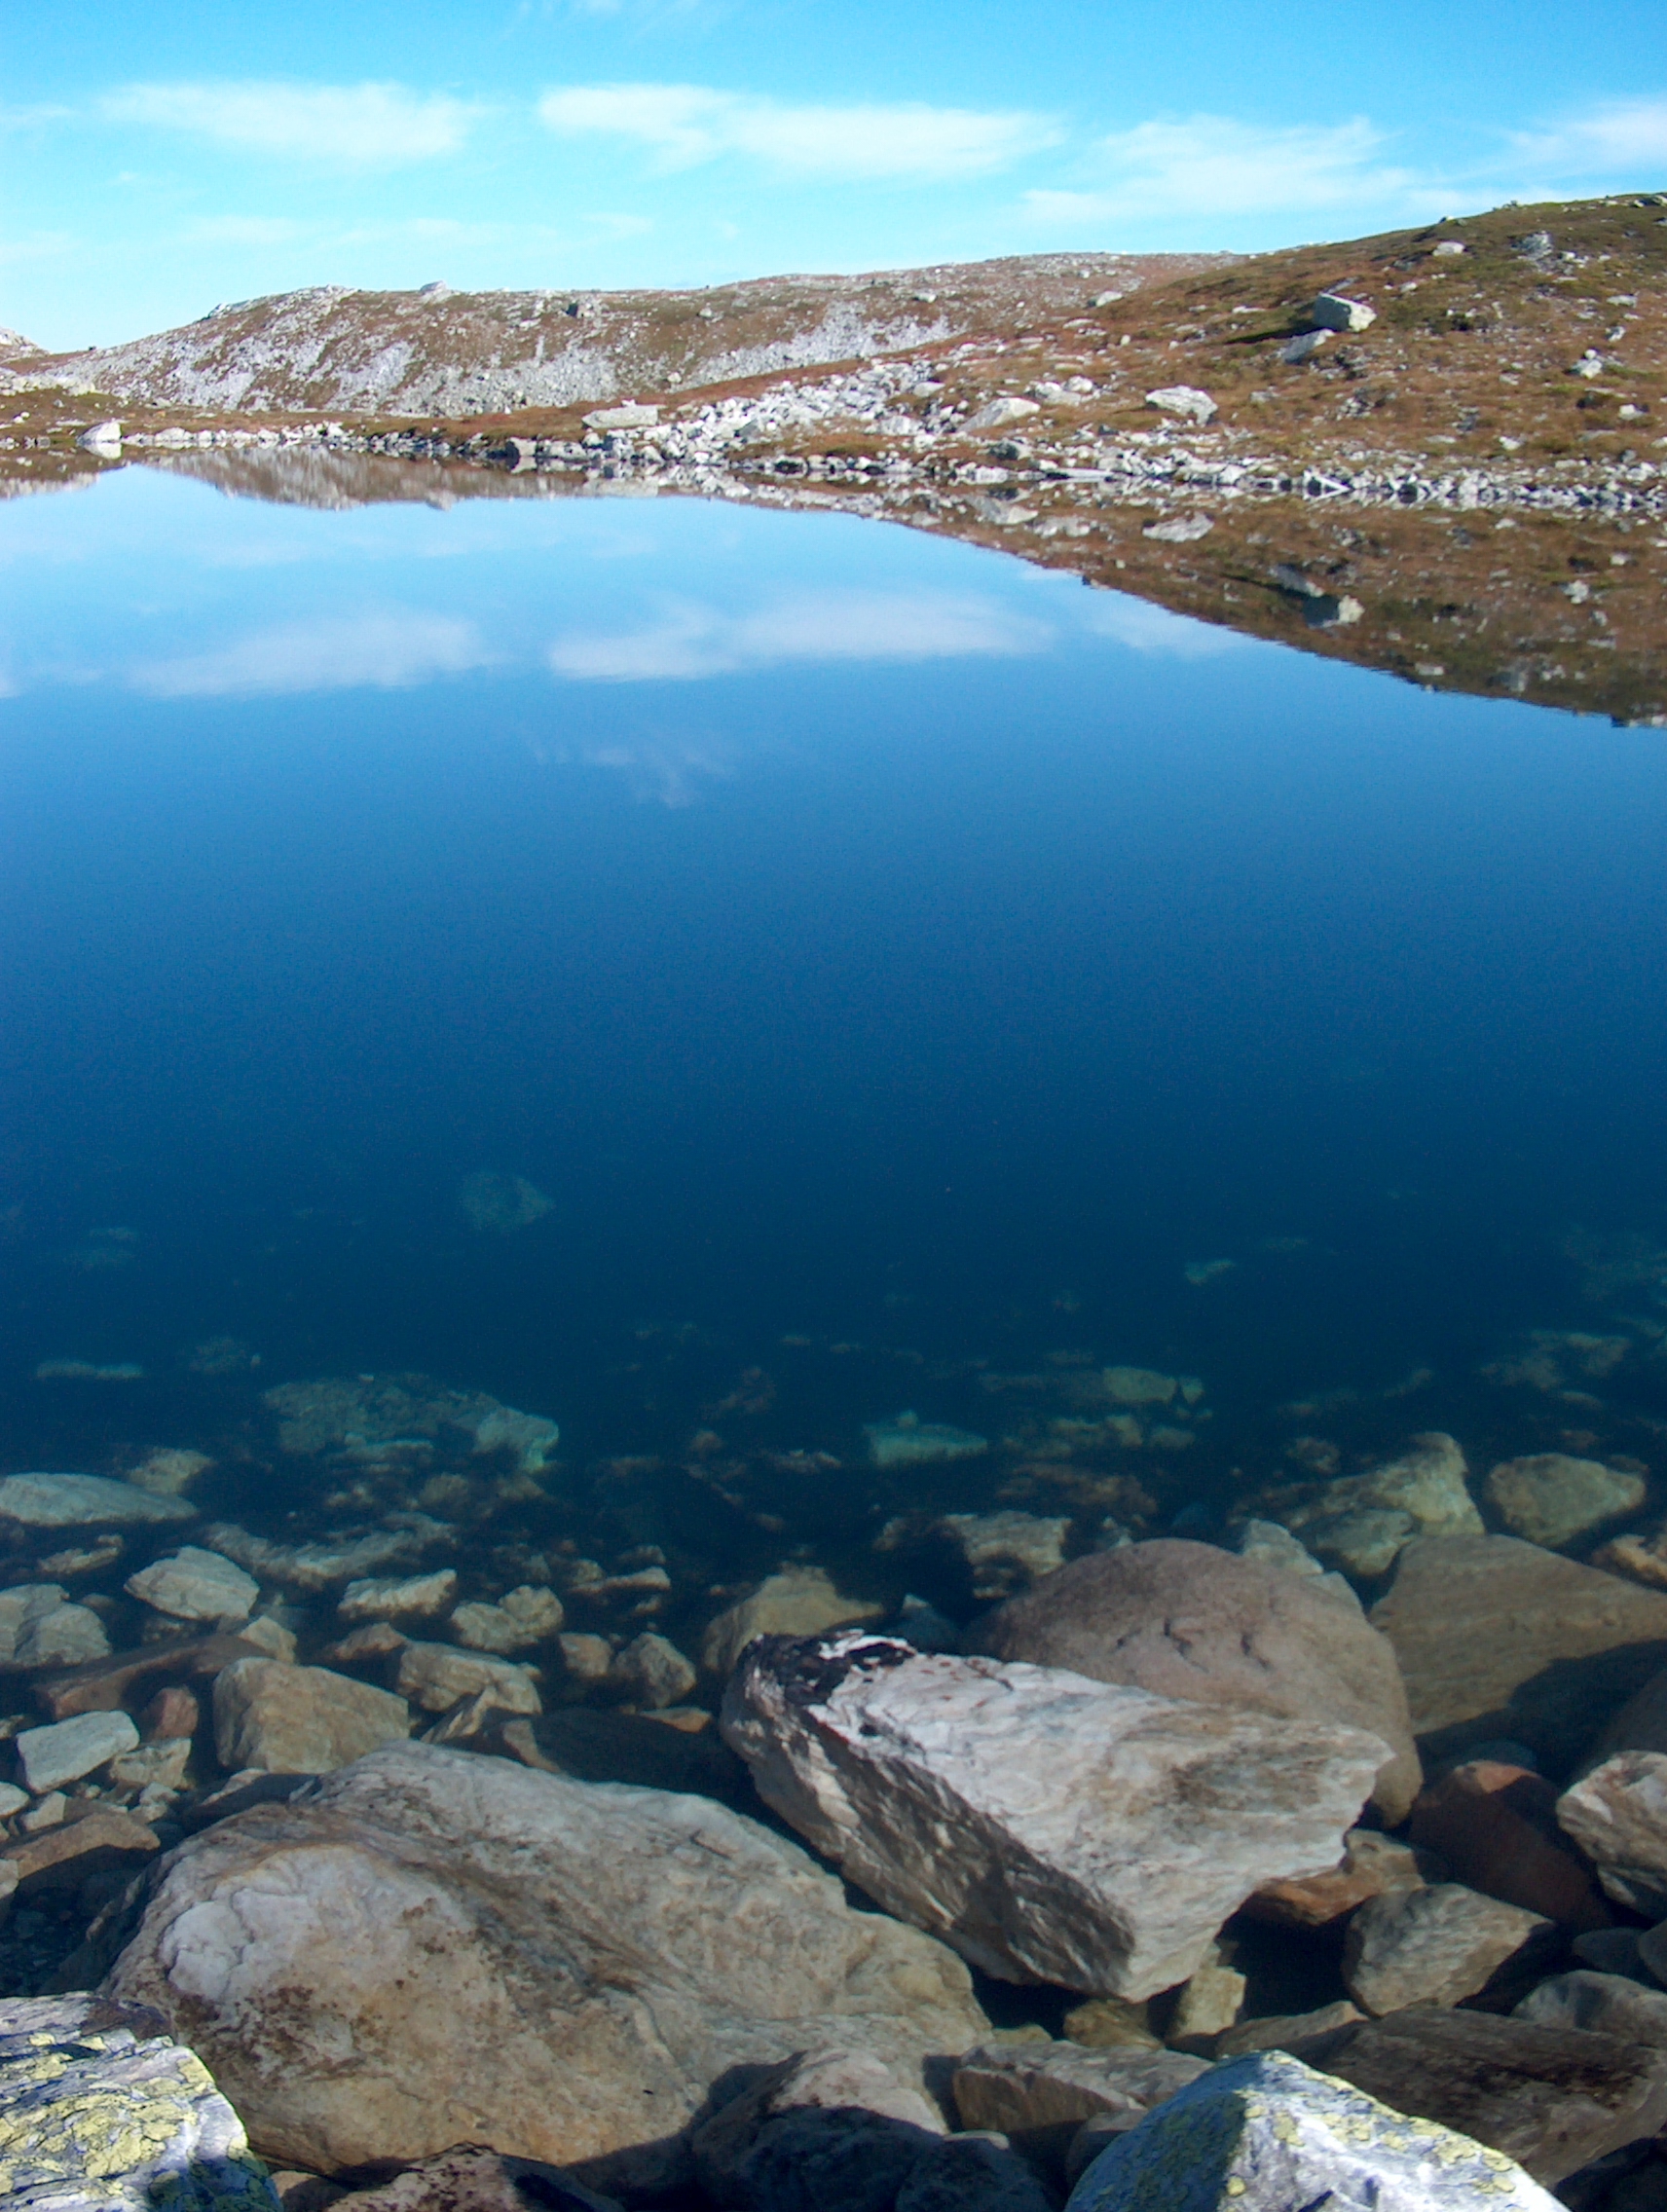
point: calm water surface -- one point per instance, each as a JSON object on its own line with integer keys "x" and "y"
{"x": 897, "y": 967}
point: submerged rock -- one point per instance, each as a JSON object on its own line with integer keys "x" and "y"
{"x": 1269, "y": 2134}
{"x": 100, "y": 2112}
{"x": 1051, "y": 1828}
{"x": 911, "y": 1442}
{"x": 1498, "y": 1638}
{"x": 1361, "y": 1522}
{"x": 1186, "y": 1620}
{"x": 438, "y": 1676}
{"x": 1007, "y": 1551}
{"x": 84, "y": 1501}
{"x": 560, "y": 1968}
{"x": 67, "y": 1749}
{"x": 284, "y": 1720}
{"x": 519, "y": 1619}
{"x": 39, "y": 1628}
{"x": 316, "y": 1566}
{"x": 194, "y": 1585}
{"x": 388, "y": 1598}
{"x": 1550, "y": 1498}
{"x": 799, "y": 1601}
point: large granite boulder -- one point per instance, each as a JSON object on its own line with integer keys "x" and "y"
{"x": 1050, "y": 1828}
{"x": 1186, "y": 1620}
{"x": 100, "y": 2112}
{"x": 430, "y": 1947}
{"x": 1497, "y": 1637}
{"x": 1267, "y": 2134}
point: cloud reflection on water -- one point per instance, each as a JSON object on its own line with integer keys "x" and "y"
{"x": 390, "y": 650}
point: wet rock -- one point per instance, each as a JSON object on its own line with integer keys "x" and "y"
{"x": 1007, "y": 1551}
{"x": 65, "y": 1855}
{"x": 269, "y": 1636}
{"x": 84, "y": 1501}
{"x": 911, "y": 1442}
{"x": 651, "y": 1671}
{"x": 389, "y": 1597}
{"x": 100, "y": 2112}
{"x": 86, "y": 1558}
{"x": 519, "y": 1619}
{"x": 1050, "y": 1828}
{"x": 1269, "y": 2134}
{"x": 528, "y": 1436}
{"x": 920, "y": 1623}
{"x": 1183, "y": 399}
{"x": 1187, "y": 1620}
{"x": 1640, "y": 1558}
{"x": 799, "y": 1601}
{"x": 104, "y": 1684}
{"x": 1617, "y": 1815}
{"x": 726, "y": 2148}
{"x": 1606, "y": 2004}
{"x": 589, "y": 1746}
{"x": 237, "y": 1794}
{"x": 1284, "y": 2031}
{"x": 316, "y": 1566}
{"x": 1612, "y": 1950}
{"x": 562, "y": 1968}
{"x": 1496, "y": 1825}
{"x": 1554, "y": 2099}
{"x": 469, "y": 2178}
{"x": 585, "y": 1659}
{"x": 283, "y": 1719}
{"x": 376, "y": 1640}
{"x": 194, "y": 1585}
{"x": 1274, "y": 1546}
{"x": 67, "y": 1749}
{"x": 1434, "y": 1947}
{"x": 438, "y": 1676}
{"x": 1498, "y": 1638}
{"x": 1550, "y": 1498}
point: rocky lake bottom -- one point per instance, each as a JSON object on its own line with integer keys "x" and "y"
{"x": 1008, "y": 1255}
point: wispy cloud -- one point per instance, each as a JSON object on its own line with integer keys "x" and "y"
{"x": 1620, "y": 138}
{"x": 1214, "y": 167}
{"x": 685, "y": 124}
{"x": 694, "y": 642}
{"x": 388, "y": 651}
{"x": 356, "y": 126}
{"x": 1146, "y": 628}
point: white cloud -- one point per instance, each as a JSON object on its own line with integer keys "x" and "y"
{"x": 388, "y": 651}
{"x": 1620, "y": 136}
{"x": 1213, "y": 166}
{"x": 685, "y": 123}
{"x": 1145, "y": 628}
{"x": 360, "y": 126}
{"x": 694, "y": 642}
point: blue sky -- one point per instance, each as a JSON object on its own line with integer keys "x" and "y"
{"x": 157, "y": 160}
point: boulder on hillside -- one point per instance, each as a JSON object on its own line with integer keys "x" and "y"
{"x": 1050, "y": 1828}
{"x": 1497, "y": 1637}
{"x": 1185, "y": 1620}
{"x": 562, "y": 1968}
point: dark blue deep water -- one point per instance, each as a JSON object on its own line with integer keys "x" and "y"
{"x": 893, "y": 965}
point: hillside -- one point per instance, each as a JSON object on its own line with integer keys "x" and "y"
{"x": 444, "y": 354}
{"x": 1469, "y": 489}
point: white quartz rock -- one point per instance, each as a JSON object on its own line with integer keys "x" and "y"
{"x": 194, "y": 1585}
{"x": 1051, "y": 1828}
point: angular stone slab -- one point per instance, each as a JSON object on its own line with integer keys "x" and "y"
{"x": 102, "y": 1685}
{"x": 1497, "y": 1637}
{"x": 1552, "y": 2098}
{"x": 1617, "y": 1815}
{"x": 84, "y": 1501}
{"x": 288, "y": 1719}
{"x": 99, "y": 2112}
{"x": 1435, "y": 1947}
{"x": 1267, "y": 2134}
{"x": 1049, "y": 1828}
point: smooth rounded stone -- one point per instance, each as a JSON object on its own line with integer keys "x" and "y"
{"x": 389, "y": 1597}
{"x": 285, "y": 1719}
{"x": 100, "y": 2112}
{"x": 974, "y": 2172}
{"x": 1184, "y": 399}
{"x": 824, "y": 2080}
{"x": 1007, "y": 1551}
{"x": 561, "y": 1967}
{"x": 798, "y": 1601}
{"x": 1496, "y": 1825}
{"x": 1053, "y": 1828}
{"x": 68, "y": 1636}
{"x": 1269, "y": 2134}
{"x": 84, "y": 1501}
{"x": 1282, "y": 2031}
{"x": 1499, "y": 1638}
{"x": 67, "y": 1749}
{"x": 651, "y": 1671}
{"x": 1554, "y": 2099}
{"x": 469, "y": 2178}
{"x": 1608, "y": 2003}
{"x": 911, "y": 1442}
{"x": 1187, "y": 1620}
{"x": 194, "y": 1585}
{"x": 519, "y": 1619}
{"x": 438, "y": 1676}
{"x": 1434, "y": 1947}
{"x": 1549, "y": 1498}
{"x": 1617, "y": 1815}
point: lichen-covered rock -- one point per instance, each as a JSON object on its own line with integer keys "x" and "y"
{"x": 431, "y": 1947}
{"x": 100, "y": 2112}
{"x": 1269, "y": 2134}
{"x": 1187, "y": 1620}
{"x": 1050, "y": 1828}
